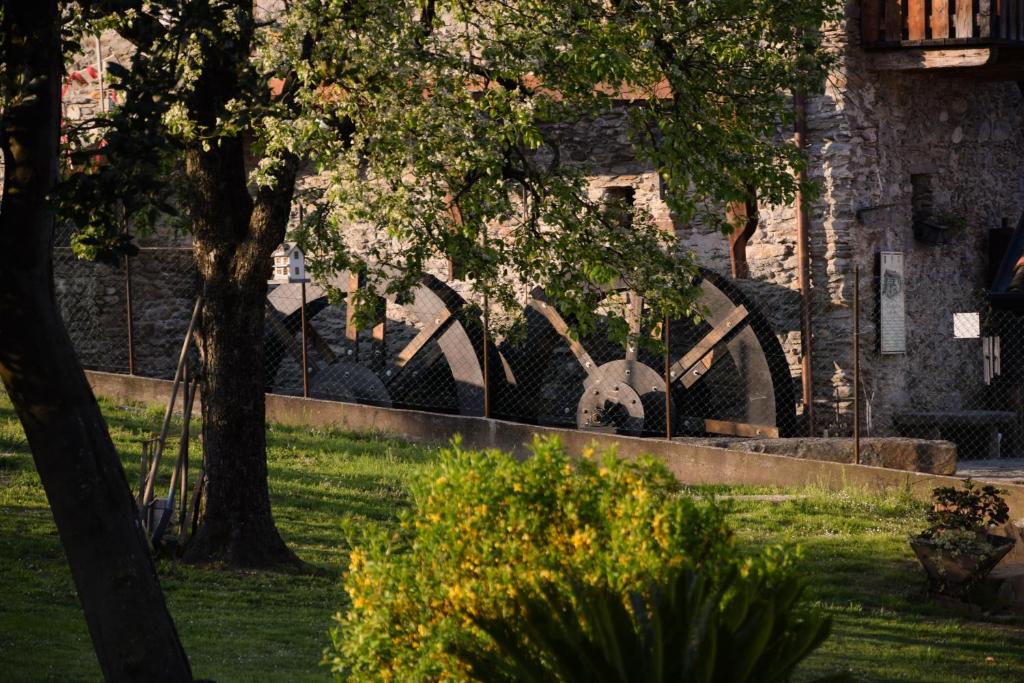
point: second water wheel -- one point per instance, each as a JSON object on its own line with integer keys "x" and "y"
{"x": 726, "y": 374}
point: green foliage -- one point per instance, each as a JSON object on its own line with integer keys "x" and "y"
{"x": 489, "y": 536}
{"x": 433, "y": 121}
{"x": 744, "y": 627}
{"x": 970, "y": 508}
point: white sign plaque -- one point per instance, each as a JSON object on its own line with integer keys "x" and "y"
{"x": 966, "y": 325}
{"x": 892, "y": 305}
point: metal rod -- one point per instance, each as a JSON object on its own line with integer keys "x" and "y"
{"x": 305, "y": 360}
{"x": 856, "y": 365}
{"x": 147, "y": 494}
{"x": 803, "y": 270}
{"x": 668, "y": 381}
{"x": 179, "y": 464}
{"x": 130, "y": 313}
{"x": 143, "y": 468}
{"x": 487, "y": 332}
{"x": 487, "y": 355}
{"x": 183, "y": 491}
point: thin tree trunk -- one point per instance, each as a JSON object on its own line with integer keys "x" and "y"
{"x": 96, "y": 517}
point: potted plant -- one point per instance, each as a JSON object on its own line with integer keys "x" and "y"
{"x": 958, "y": 549}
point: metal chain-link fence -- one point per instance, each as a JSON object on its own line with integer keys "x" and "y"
{"x": 982, "y": 411}
{"x": 129, "y": 317}
{"x": 725, "y": 375}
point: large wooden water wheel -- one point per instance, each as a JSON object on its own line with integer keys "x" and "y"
{"x": 427, "y": 354}
{"x": 726, "y": 374}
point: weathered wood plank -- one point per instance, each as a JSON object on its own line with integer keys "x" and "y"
{"x": 740, "y": 429}
{"x": 964, "y": 18}
{"x": 984, "y": 19}
{"x": 893, "y": 20}
{"x": 708, "y": 343}
{"x": 915, "y": 20}
{"x": 922, "y": 59}
{"x": 870, "y": 17}
{"x": 940, "y": 19}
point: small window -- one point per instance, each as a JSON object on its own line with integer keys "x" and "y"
{"x": 296, "y": 271}
{"x": 618, "y": 204}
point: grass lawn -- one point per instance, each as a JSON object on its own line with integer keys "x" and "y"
{"x": 272, "y": 627}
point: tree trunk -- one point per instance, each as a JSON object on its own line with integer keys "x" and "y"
{"x": 96, "y": 517}
{"x": 237, "y": 526}
{"x": 234, "y": 236}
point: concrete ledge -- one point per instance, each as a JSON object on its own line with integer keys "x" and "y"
{"x": 692, "y": 463}
{"x": 898, "y": 453}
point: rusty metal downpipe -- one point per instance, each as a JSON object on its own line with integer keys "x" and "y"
{"x": 804, "y": 269}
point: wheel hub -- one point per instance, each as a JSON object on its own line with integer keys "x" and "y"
{"x": 623, "y": 396}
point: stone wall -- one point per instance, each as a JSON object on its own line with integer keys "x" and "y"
{"x": 869, "y": 133}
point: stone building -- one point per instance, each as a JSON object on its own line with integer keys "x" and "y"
{"x": 918, "y": 147}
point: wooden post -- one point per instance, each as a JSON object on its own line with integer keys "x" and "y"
{"x": 305, "y": 360}
{"x": 355, "y": 281}
{"x": 856, "y": 365}
{"x": 893, "y": 21}
{"x": 915, "y": 20}
{"x": 940, "y": 19}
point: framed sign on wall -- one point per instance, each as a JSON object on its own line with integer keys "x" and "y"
{"x": 892, "y": 306}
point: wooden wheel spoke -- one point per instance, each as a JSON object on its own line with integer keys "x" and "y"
{"x": 321, "y": 345}
{"x": 696, "y": 371}
{"x": 287, "y": 339}
{"x": 430, "y": 331}
{"x": 698, "y": 360}
{"x": 554, "y": 318}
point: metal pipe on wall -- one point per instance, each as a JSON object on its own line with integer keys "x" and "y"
{"x": 856, "y": 365}
{"x": 129, "y": 313}
{"x": 804, "y": 270}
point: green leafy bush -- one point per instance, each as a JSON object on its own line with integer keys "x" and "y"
{"x": 745, "y": 628}
{"x": 487, "y": 535}
{"x": 969, "y": 508}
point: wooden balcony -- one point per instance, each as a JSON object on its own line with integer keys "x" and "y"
{"x": 985, "y": 37}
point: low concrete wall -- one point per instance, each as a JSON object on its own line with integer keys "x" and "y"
{"x": 692, "y": 463}
{"x": 897, "y": 453}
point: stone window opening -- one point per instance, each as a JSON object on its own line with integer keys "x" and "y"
{"x": 930, "y": 226}
{"x": 618, "y": 202}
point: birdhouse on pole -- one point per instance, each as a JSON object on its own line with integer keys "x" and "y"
{"x": 289, "y": 263}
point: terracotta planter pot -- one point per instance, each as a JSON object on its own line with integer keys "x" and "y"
{"x": 955, "y": 575}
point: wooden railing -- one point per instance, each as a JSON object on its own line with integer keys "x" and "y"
{"x": 924, "y": 23}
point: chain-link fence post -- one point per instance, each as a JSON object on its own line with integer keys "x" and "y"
{"x": 668, "y": 378}
{"x": 305, "y": 352}
{"x": 856, "y": 364}
{"x": 129, "y": 315}
{"x": 487, "y": 355}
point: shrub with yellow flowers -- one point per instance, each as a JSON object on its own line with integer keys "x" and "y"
{"x": 486, "y": 532}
